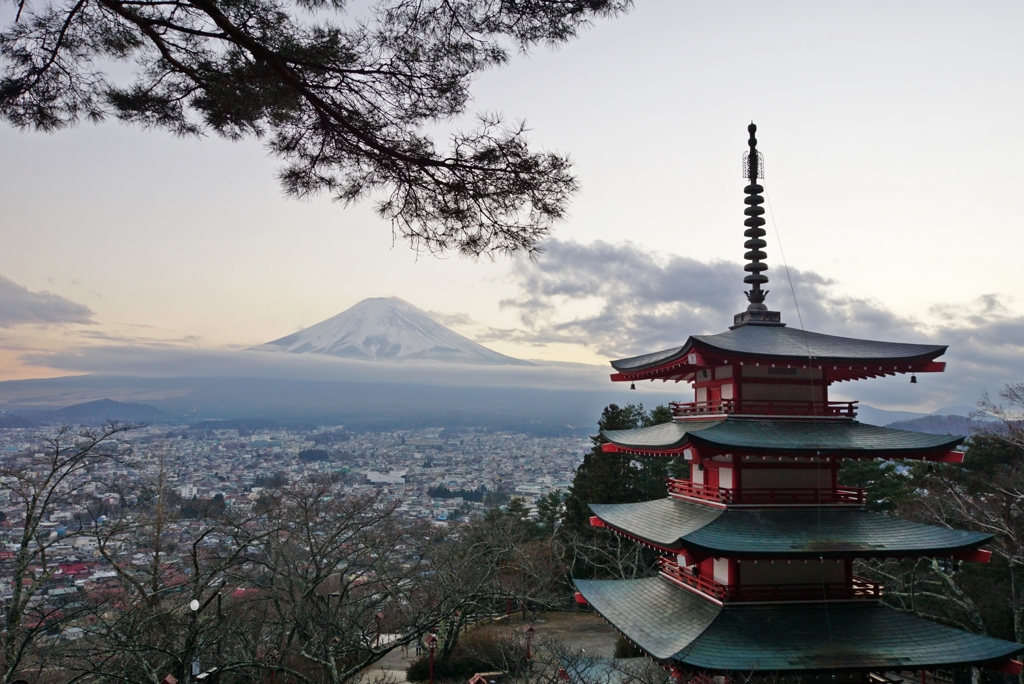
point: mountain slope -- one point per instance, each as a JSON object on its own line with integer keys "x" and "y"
{"x": 939, "y": 425}
{"x": 386, "y": 329}
{"x": 108, "y": 409}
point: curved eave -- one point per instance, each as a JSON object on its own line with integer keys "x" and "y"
{"x": 652, "y": 360}
{"x": 833, "y": 438}
{"x": 700, "y": 352}
{"x": 834, "y": 550}
{"x": 950, "y": 455}
{"x": 834, "y": 370}
{"x": 679, "y": 628}
{"x": 671, "y": 525}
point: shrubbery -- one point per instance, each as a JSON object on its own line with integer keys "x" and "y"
{"x": 478, "y": 651}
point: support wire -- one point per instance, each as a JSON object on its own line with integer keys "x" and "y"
{"x": 814, "y": 417}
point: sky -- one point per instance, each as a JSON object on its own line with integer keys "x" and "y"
{"x": 892, "y": 148}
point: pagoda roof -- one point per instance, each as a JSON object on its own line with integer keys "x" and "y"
{"x": 786, "y": 345}
{"x": 782, "y": 532}
{"x": 672, "y": 624}
{"x": 813, "y": 437}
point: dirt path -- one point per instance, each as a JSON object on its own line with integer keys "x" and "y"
{"x": 584, "y": 631}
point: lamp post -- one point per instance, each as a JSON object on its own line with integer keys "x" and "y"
{"x": 193, "y": 663}
{"x": 528, "y": 631}
{"x": 220, "y": 621}
{"x": 431, "y": 642}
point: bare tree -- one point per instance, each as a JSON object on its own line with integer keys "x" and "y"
{"x": 555, "y": 662}
{"x": 986, "y": 494}
{"x": 41, "y": 484}
{"x": 340, "y": 581}
{"x": 165, "y": 608}
{"x": 608, "y": 555}
{"x": 929, "y": 587}
{"x": 1009, "y": 412}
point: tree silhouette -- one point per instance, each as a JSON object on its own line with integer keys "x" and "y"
{"x": 344, "y": 103}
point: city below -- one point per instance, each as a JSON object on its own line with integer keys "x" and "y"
{"x": 438, "y": 474}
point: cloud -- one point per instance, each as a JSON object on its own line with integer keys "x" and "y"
{"x": 19, "y": 306}
{"x": 451, "y": 319}
{"x": 635, "y": 301}
{"x": 175, "y": 361}
{"x": 116, "y": 338}
{"x": 622, "y": 300}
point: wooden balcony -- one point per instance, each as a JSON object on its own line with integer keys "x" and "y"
{"x": 768, "y": 497}
{"x": 767, "y": 407}
{"x": 859, "y": 589}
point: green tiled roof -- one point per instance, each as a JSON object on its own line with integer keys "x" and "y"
{"x": 659, "y": 617}
{"x": 785, "y": 435}
{"x": 672, "y": 624}
{"x": 777, "y": 341}
{"x": 792, "y": 532}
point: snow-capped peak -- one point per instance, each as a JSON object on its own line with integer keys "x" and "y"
{"x": 386, "y": 329}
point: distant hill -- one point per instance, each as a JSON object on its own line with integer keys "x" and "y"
{"x": 958, "y": 410}
{"x": 13, "y": 420}
{"x": 108, "y": 409}
{"x": 881, "y": 417}
{"x": 938, "y": 425}
{"x": 387, "y": 329}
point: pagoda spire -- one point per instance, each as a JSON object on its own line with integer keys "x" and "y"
{"x": 755, "y": 233}
{"x": 753, "y": 169}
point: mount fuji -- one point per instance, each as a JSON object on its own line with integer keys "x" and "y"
{"x": 387, "y": 329}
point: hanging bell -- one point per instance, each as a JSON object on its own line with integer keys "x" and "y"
{"x": 913, "y": 379}
{"x": 632, "y": 385}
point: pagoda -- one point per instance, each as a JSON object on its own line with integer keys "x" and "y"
{"x": 757, "y": 545}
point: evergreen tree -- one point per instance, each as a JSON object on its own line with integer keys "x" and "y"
{"x": 887, "y": 485}
{"x": 549, "y": 512}
{"x": 616, "y": 478}
{"x": 517, "y": 510}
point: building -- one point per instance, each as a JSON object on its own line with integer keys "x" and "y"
{"x": 757, "y": 545}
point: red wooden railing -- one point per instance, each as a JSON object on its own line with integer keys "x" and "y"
{"x": 674, "y": 572}
{"x": 841, "y": 495}
{"x": 859, "y": 588}
{"x": 769, "y": 407}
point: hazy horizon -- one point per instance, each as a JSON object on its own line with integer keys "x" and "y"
{"x": 891, "y": 144}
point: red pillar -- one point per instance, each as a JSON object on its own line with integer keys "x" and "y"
{"x": 737, "y": 478}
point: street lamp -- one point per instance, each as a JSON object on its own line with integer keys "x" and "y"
{"x": 379, "y": 617}
{"x": 431, "y": 642}
{"x": 528, "y": 631}
{"x": 193, "y": 607}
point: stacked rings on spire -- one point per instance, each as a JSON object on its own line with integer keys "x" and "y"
{"x": 755, "y": 243}
{"x": 756, "y": 234}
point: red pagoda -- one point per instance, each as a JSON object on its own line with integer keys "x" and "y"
{"x": 757, "y": 545}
